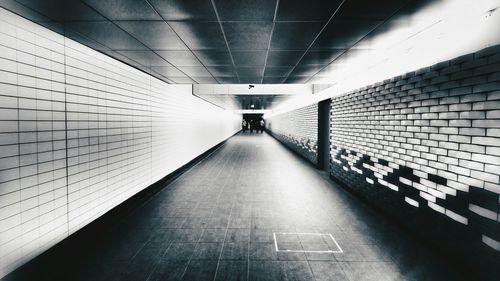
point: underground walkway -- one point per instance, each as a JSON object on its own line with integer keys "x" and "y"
{"x": 252, "y": 210}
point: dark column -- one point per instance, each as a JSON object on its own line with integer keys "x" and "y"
{"x": 323, "y": 134}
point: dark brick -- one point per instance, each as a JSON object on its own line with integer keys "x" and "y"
{"x": 473, "y": 97}
{"x": 440, "y": 65}
{"x": 438, "y": 94}
{"x": 461, "y": 91}
{"x": 461, "y": 74}
{"x": 430, "y": 74}
{"x": 440, "y": 79}
{"x": 487, "y": 69}
{"x": 449, "y": 85}
{"x": 494, "y": 77}
{"x": 450, "y": 69}
{"x": 487, "y": 51}
{"x": 462, "y": 59}
{"x": 423, "y": 70}
{"x": 487, "y": 87}
{"x": 474, "y": 63}
{"x": 473, "y": 81}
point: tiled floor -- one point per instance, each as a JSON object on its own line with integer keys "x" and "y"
{"x": 217, "y": 222}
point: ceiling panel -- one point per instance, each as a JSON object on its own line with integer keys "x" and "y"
{"x": 108, "y": 34}
{"x": 182, "y": 10}
{"x": 228, "y": 80}
{"x": 320, "y": 57}
{"x": 200, "y": 35}
{"x": 306, "y": 70}
{"x": 369, "y": 10}
{"x": 255, "y": 71}
{"x": 296, "y": 79}
{"x": 343, "y": 34}
{"x": 168, "y": 71}
{"x": 198, "y": 71}
{"x": 182, "y": 80}
{"x": 285, "y": 35}
{"x": 53, "y": 9}
{"x": 156, "y": 35}
{"x": 151, "y": 33}
{"x": 122, "y": 58}
{"x": 250, "y": 79}
{"x": 180, "y": 58}
{"x": 146, "y": 58}
{"x": 78, "y": 37}
{"x": 255, "y": 10}
{"x": 205, "y": 80}
{"x": 247, "y": 35}
{"x": 283, "y": 58}
{"x": 222, "y": 71}
{"x": 312, "y": 10}
{"x": 124, "y": 9}
{"x": 249, "y": 58}
{"x": 61, "y": 10}
{"x": 277, "y": 71}
{"x": 273, "y": 80}
{"x": 214, "y": 57}
{"x": 28, "y": 9}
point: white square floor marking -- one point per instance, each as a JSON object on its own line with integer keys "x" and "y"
{"x": 327, "y": 238}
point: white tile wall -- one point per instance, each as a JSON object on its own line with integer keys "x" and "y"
{"x": 80, "y": 133}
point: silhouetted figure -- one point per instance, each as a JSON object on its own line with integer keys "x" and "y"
{"x": 244, "y": 125}
{"x": 261, "y": 125}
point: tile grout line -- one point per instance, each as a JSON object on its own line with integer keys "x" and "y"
{"x": 227, "y": 227}
{"x": 203, "y": 229}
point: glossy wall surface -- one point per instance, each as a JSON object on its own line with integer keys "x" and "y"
{"x": 297, "y": 129}
{"x": 425, "y": 147}
{"x": 80, "y": 133}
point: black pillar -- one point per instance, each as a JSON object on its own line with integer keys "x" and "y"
{"x": 324, "y": 134}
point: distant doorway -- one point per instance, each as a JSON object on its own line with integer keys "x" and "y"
{"x": 254, "y": 121}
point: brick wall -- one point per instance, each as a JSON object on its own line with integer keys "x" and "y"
{"x": 297, "y": 129}
{"x": 80, "y": 133}
{"x": 425, "y": 147}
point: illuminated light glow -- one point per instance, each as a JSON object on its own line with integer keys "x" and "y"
{"x": 441, "y": 31}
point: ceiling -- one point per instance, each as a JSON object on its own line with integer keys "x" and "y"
{"x": 217, "y": 41}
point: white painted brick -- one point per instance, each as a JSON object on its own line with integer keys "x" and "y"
{"x": 483, "y": 212}
{"x": 456, "y": 217}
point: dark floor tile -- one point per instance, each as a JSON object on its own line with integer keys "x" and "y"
{"x": 262, "y": 251}
{"x": 213, "y": 235}
{"x": 198, "y": 270}
{"x": 218, "y": 222}
{"x": 169, "y": 270}
{"x": 359, "y": 271}
{"x": 235, "y": 251}
{"x": 327, "y": 271}
{"x": 265, "y": 271}
{"x": 207, "y": 251}
{"x": 186, "y": 234}
{"x": 138, "y": 270}
{"x": 238, "y": 235}
{"x": 232, "y": 270}
{"x": 121, "y": 252}
{"x": 261, "y": 235}
{"x": 296, "y": 270}
{"x": 291, "y": 251}
{"x": 103, "y": 271}
{"x": 195, "y": 222}
{"x": 239, "y": 222}
{"x": 179, "y": 251}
